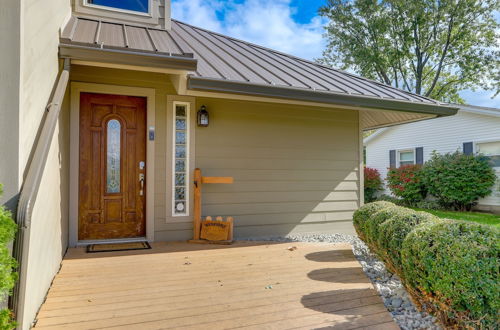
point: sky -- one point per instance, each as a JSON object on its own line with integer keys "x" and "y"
{"x": 290, "y": 26}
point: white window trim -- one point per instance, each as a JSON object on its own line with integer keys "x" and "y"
{"x": 119, "y": 10}
{"x": 188, "y": 172}
{"x": 398, "y": 157}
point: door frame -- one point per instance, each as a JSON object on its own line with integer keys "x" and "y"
{"x": 76, "y": 89}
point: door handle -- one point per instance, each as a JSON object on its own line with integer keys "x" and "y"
{"x": 141, "y": 182}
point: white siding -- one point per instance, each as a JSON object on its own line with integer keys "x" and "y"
{"x": 446, "y": 134}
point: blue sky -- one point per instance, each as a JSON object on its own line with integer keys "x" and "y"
{"x": 290, "y": 26}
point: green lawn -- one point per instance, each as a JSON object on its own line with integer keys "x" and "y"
{"x": 484, "y": 218}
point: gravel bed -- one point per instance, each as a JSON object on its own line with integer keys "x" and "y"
{"x": 394, "y": 295}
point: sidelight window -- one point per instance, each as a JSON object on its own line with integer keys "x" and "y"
{"x": 180, "y": 173}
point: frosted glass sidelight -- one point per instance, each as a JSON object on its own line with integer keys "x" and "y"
{"x": 180, "y": 174}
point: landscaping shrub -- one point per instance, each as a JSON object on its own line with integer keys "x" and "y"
{"x": 362, "y": 215}
{"x": 451, "y": 267}
{"x": 458, "y": 180}
{"x": 454, "y": 266}
{"x": 392, "y": 233}
{"x": 372, "y": 225}
{"x": 373, "y": 183}
{"x": 406, "y": 182}
{"x": 7, "y": 264}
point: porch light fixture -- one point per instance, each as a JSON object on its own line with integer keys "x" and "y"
{"x": 203, "y": 116}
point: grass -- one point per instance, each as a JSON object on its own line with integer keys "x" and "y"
{"x": 484, "y": 218}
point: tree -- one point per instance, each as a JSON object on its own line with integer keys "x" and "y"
{"x": 434, "y": 48}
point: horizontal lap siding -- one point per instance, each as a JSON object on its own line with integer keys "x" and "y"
{"x": 295, "y": 169}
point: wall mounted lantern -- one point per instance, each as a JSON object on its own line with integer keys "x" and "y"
{"x": 203, "y": 116}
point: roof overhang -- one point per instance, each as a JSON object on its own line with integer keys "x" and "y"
{"x": 234, "y": 87}
{"x": 126, "y": 57}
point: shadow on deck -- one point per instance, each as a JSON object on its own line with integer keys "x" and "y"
{"x": 257, "y": 285}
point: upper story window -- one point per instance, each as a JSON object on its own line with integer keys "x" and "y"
{"x": 406, "y": 157}
{"x": 135, "y": 6}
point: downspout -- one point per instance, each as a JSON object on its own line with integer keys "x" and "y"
{"x": 29, "y": 192}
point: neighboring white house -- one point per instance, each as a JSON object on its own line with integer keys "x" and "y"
{"x": 473, "y": 130}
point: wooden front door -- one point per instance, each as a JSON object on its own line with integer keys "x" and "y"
{"x": 112, "y": 182}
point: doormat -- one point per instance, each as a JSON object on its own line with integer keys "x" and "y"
{"x": 111, "y": 247}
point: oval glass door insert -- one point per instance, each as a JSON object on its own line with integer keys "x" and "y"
{"x": 113, "y": 157}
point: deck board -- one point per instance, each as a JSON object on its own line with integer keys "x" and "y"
{"x": 249, "y": 285}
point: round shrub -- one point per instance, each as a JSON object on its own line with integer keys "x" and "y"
{"x": 393, "y": 232}
{"x": 454, "y": 265}
{"x": 362, "y": 215}
{"x": 458, "y": 180}
{"x": 406, "y": 182}
{"x": 373, "y": 183}
{"x": 372, "y": 226}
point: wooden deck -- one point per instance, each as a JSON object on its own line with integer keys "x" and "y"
{"x": 248, "y": 285}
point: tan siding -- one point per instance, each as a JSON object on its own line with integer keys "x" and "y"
{"x": 295, "y": 168}
{"x": 49, "y": 226}
{"x": 10, "y": 34}
{"x": 38, "y": 69}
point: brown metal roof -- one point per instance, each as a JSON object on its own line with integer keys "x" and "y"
{"x": 222, "y": 60}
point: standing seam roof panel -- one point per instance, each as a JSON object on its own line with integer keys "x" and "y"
{"x": 164, "y": 42}
{"x": 337, "y": 87}
{"x": 218, "y": 63}
{"x": 303, "y": 73}
{"x": 85, "y": 31}
{"x": 112, "y": 34}
{"x": 203, "y": 66}
{"x": 225, "y": 58}
{"x": 234, "y": 62}
{"x": 266, "y": 74}
{"x": 138, "y": 38}
{"x": 273, "y": 67}
{"x": 248, "y": 71}
{"x": 377, "y": 89}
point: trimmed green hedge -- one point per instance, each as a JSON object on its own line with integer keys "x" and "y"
{"x": 363, "y": 214}
{"x": 456, "y": 264}
{"x": 393, "y": 232}
{"x": 450, "y": 266}
{"x": 372, "y": 227}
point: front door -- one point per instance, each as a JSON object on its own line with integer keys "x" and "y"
{"x": 112, "y": 173}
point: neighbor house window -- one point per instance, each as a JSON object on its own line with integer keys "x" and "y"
{"x": 180, "y": 173}
{"x": 406, "y": 157}
{"x": 491, "y": 150}
{"x": 138, "y": 6}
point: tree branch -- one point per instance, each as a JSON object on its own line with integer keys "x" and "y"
{"x": 443, "y": 56}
